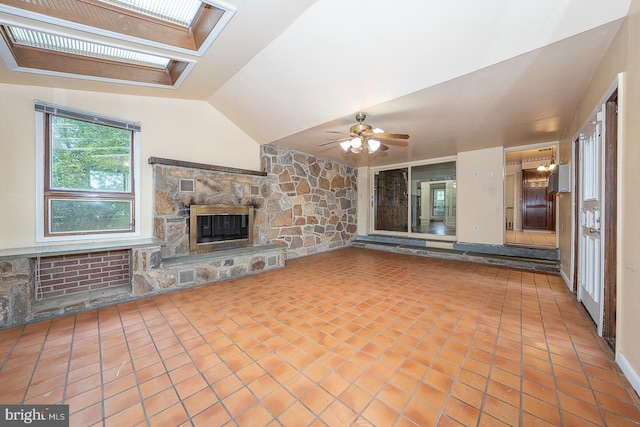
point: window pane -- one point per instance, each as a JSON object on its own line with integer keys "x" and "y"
{"x": 181, "y": 12}
{"x": 89, "y": 215}
{"x": 392, "y": 202}
{"x": 56, "y": 43}
{"x": 433, "y": 191}
{"x": 89, "y": 157}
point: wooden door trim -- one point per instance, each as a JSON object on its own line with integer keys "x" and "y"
{"x": 611, "y": 221}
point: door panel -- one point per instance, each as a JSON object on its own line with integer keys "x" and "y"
{"x": 590, "y": 259}
{"x": 535, "y": 205}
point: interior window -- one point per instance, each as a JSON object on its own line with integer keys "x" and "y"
{"x": 416, "y": 199}
{"x": 434, "y": 193}
{"x": 392, "y": 202}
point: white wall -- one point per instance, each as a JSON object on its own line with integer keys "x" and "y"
{"x": 171, "y": 128}
{"x": 364, "y": 200}
{"x": 480, "y": 180}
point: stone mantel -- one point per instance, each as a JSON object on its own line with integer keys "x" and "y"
{"x": 202, "y": 166}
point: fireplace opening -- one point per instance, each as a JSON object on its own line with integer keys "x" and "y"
{"x": 217, "y": 227}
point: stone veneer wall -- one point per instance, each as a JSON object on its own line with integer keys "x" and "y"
{"x": 312, "y": 205}
{"x": 16, "y": 290}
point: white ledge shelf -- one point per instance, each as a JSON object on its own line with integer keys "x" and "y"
{"x": 76, "y": 248}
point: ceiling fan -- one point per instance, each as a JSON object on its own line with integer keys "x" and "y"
{"x": 362, "y": 136}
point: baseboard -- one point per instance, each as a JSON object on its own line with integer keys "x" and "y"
{"x": 629, "y": 372}
{"x": 567, "y": 281}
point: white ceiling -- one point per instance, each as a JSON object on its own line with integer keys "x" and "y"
{"x": 456, "y": 76}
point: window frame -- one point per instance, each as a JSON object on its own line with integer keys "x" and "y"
{"x": 44, "y": 193}
{"x": 373, "y": 171}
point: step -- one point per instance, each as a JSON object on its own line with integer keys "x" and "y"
{"x": 506, "y": 256}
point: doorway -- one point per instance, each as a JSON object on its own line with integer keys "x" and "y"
{"x": 595, "y": 246}
{"x": 530, "y": 217}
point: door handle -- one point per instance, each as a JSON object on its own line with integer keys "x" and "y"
{"x": 594, "y": 230}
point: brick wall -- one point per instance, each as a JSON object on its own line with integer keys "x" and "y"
{"x": 71, "y": 274}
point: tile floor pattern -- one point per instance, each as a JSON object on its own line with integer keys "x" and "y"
{"x": 531, "y": 238}
{"x": 349, "y": 337}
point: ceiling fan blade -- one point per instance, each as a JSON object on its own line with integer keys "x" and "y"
{"x": 333, "y": 141}
{"x": 335, "y": 131}
{"x": 389, "y": 135}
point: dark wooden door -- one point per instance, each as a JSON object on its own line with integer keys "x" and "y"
{"x": 537, "y": 202}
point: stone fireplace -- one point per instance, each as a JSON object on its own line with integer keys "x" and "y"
{"x": 303, "y": 204}
{"x": 214, "y": 227}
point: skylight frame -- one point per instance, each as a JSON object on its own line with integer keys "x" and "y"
{"x": 169, "y": 33}
{"x": 125, "y": 73}
{"x": 64, "y": 44}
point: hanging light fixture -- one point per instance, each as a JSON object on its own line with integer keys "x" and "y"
{"x": 359, "y": 143}
{"x": 544, "y": 168}
{"x": 373, "y": 145}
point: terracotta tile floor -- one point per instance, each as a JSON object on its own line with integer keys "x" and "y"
{"x": 349, "y": 337}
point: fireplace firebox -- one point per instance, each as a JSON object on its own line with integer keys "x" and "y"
{"x": 216, "y": 227}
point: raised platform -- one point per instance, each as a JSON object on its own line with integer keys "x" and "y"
{"x": 198, "y": 269}
{"x": 149, "y": 275}
{"x": 543, "y": 260}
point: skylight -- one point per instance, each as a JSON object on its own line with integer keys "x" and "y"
{"x": 185, "y": 26}
{"x": 181, "y": 12}
{"x": 52, "y": 42}
{"x": 168, "y": 29}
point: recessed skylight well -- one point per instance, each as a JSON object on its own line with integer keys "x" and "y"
{"x": 157, "y": 26}
{"x": 42, "y": 52}
{"x": 56, "y": 43}
{"x": 186, "y": 26}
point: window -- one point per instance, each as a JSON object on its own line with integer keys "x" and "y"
{"x": 416, "y": 200}
{"x": 88, "y": 179}
{"x": 438, "y": 202}
{"x": 392, "y": 203}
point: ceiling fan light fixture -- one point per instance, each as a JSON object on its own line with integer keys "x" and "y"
{"x": 364, "y": 138}
{"x": 346, "y": 145}
{"x": 373, "y": 145}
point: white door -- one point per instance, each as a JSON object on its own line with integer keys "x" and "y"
{"x": 590, "y": 256}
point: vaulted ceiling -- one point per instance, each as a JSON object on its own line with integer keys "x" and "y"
{"x": 456, "y": 76}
